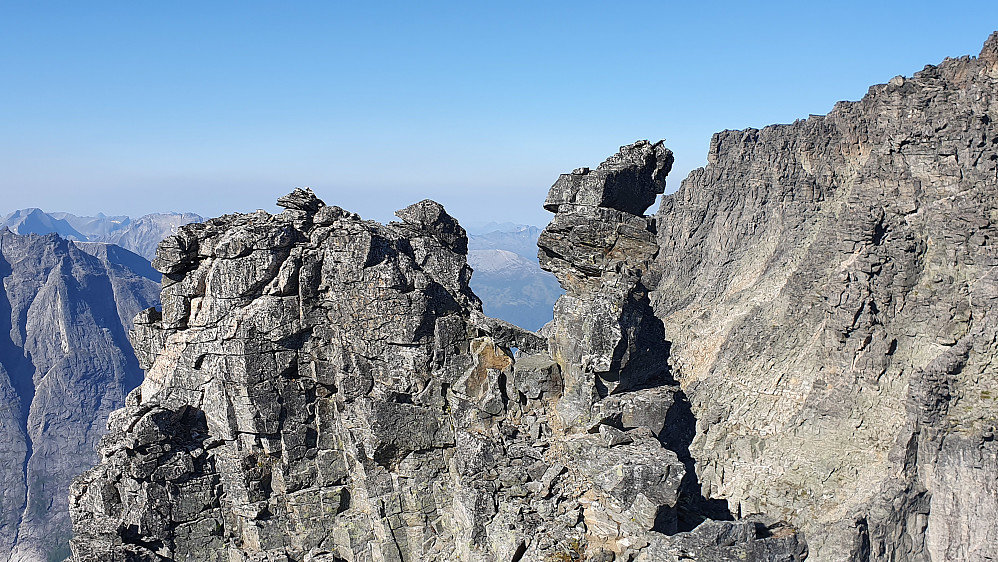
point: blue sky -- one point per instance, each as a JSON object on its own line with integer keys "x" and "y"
{"x": 214, "y": 107}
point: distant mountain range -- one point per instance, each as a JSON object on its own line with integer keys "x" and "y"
{"x": 140, "y": 235}
{"x": 65, "y": 364}
{"x": 508, "y": 277}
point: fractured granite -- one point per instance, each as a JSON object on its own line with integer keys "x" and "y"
{"x": 798, "y": 344}
{"x": 323, "y": 388}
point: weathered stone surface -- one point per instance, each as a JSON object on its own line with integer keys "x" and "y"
{"x": 754, "y": 538}
{"x": 321, "y": 387}
{"x": 65, "y": 364}
{"x": 804, "y": 334}
{"x": 829, "y": 290}
{"x": 627, "y": 181}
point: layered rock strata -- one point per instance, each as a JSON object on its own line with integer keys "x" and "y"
{"x": 325, "y": 388}
{"x": 829, "y": 288}
{"x": 65, "y": 365}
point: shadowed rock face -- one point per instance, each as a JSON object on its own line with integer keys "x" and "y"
{"x": 65, "y": 364}
{"x": 829, "y": 290}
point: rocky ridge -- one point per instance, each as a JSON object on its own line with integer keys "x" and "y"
{"x": 829, "y": 290}
{"x": 325, "y": 388}
{"x": 804, "y": 331}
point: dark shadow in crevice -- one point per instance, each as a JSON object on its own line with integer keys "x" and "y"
{"x": 641, "y": 361}
{"x": 693, "y": 507}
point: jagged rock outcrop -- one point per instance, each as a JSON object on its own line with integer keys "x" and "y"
{"x": 325, "y": 388}
{"x": 801, "y": 338}
{"x": 65, "y": 364}
{"x": 829, "y": 290}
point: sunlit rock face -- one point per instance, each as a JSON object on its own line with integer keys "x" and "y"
{"x": 797, "y": 345}
{"x": 65, "y": 364}
{"x": 321, "y": 387}
{"x": 829, "y": 288}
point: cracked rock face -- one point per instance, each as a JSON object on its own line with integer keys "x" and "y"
{"x": 829, "y": 290}
{"x": 325, "y": 388}
{"x": 801, "y": 338}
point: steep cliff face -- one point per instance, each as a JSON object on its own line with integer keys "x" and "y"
{"x": 65, "y": 364}
{"x": 829, "y": 290}
{"x": 325, "y": 388}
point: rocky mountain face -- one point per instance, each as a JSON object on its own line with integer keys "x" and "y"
{"x": 65, "y": 364}
{"x": 141, "y": 235}
{"x": 508, "y": 277}
{"x": 829, "y": 289}
{"x": 325, "y": 388}
{"x": 797, "y": 345}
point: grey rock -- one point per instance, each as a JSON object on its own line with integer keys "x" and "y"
{"x": 754, "y": 538}
{"x": 828, "y": 289}
{"x": 141, "y": 235}
{"x": 536, "y": 375}
{"x": 327, "y": 388}
{"x": 301, "y": 200}
{"x": 614, "y": 436}
{"x": 604, "y": 333}
{"x": 805, "y": 330}
{"x": 628, "y": 181}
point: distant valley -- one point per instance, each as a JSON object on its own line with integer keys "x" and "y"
{"x": 508, "y": 278}
{"x": 65, "y": 364}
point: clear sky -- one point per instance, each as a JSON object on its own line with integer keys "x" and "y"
{"x": 214, "y": 107}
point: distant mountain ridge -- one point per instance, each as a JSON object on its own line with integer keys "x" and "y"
{"x": 65, "y": 364}
{"x": 141, "y": 235}
{"x": 520, "y": 239}
{"x": 508, "y": 277}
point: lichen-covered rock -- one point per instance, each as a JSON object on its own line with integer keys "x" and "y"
{"x": 829, "y": 290}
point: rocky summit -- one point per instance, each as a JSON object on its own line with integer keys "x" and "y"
{"x": 793, "y": 358}
{"x": 321, "y": 387}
